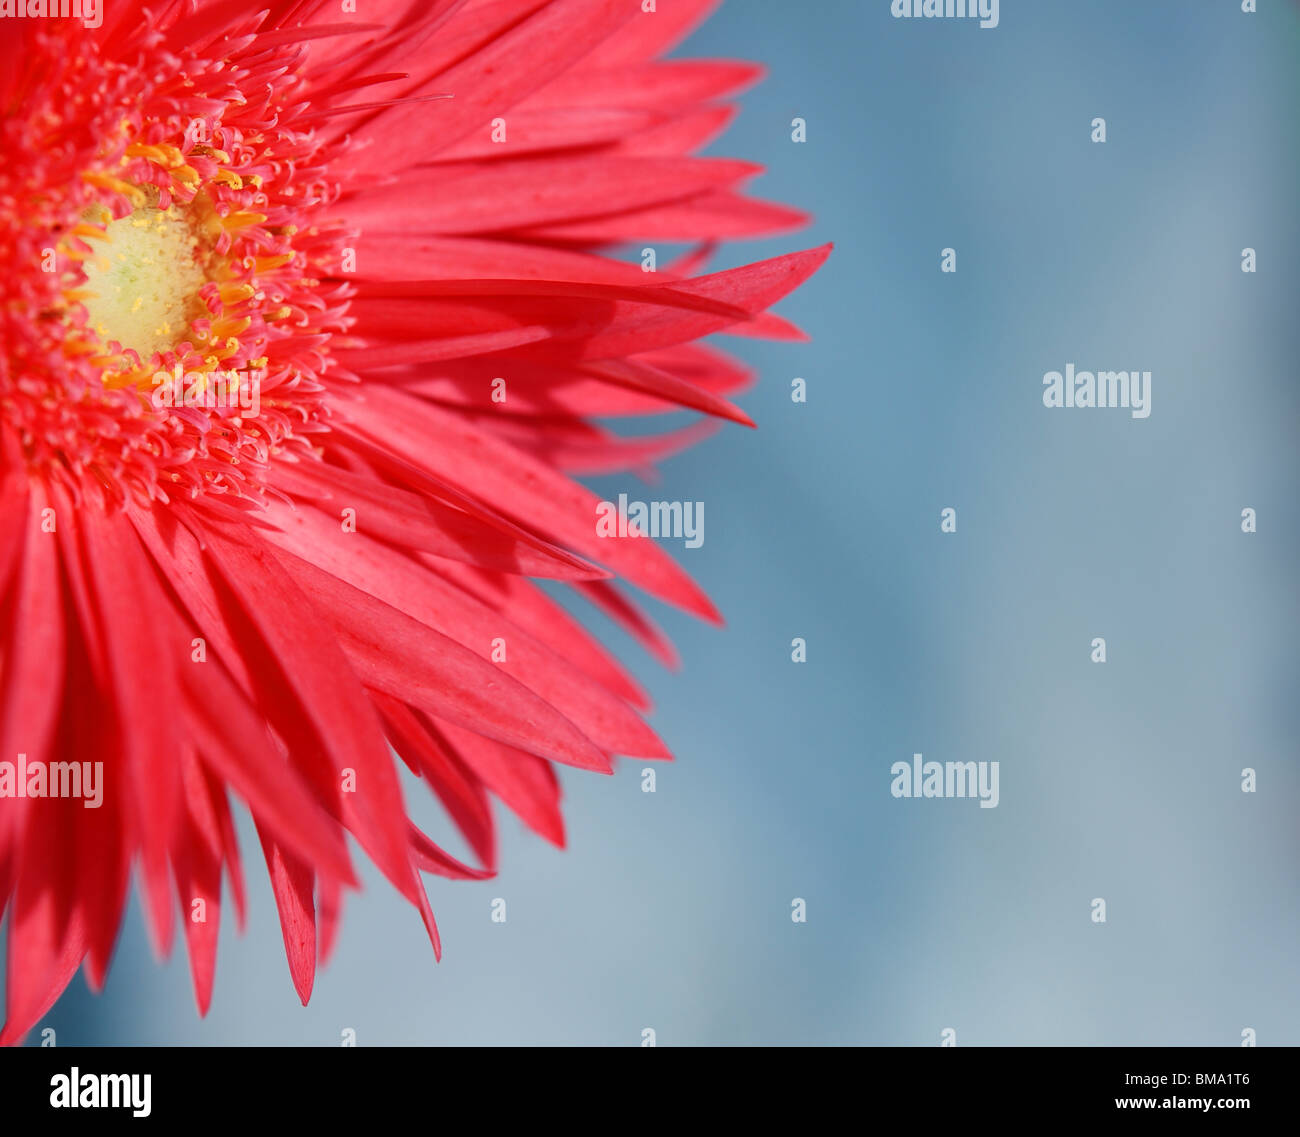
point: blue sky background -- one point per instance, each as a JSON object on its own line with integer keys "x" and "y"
{"x": 672, "y": 910}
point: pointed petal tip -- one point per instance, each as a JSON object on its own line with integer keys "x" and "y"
{"x": 303, "y": 982}
{"x": 426, "y": 914}
{"x": 160, "y": 940}
{"x": 732, "y": 413}
{"x": 95, "y": 976}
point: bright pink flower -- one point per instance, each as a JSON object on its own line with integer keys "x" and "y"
{"x": 264, "y": 511}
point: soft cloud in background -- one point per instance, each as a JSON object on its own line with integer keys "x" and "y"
{"x": 672, "y": 910}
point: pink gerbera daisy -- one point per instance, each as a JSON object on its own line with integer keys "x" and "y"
{"x": 305, "y": 325}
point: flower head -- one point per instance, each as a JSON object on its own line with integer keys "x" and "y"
{"x": 306, "y": 325}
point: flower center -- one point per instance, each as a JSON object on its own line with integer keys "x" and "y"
{"x": 142, "y": 285}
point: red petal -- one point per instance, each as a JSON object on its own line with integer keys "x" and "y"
{"x": 424, "y": 596}
{"x": 661, "y": 87}
{"x": 150, "y": 742}
{"x": 526, "y": 784}
{"x": 529, "y": 193}
{"x": 292, "y": 881}
{"x": 410, "y": 521}
{"x": 490, "y": 80}
{"x": 520, "y": 486}
{"x": 397, "y": 655}
{"x": 339, "y": 713}
{"x": 460, "y": 793}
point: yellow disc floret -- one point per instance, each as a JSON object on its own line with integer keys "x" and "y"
{"x": 142, "y": 285}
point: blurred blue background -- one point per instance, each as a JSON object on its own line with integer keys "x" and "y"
{"x": 672, "y": 910}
